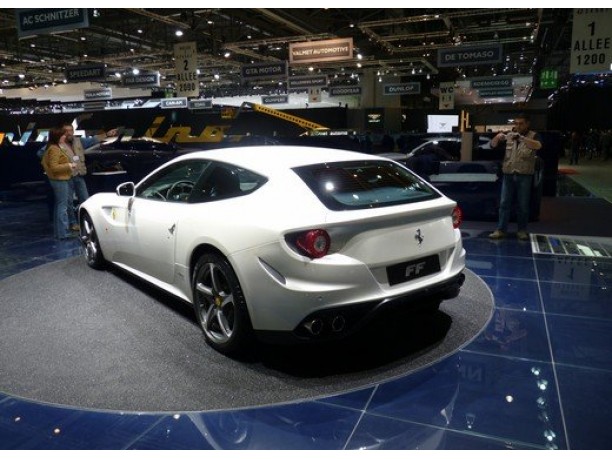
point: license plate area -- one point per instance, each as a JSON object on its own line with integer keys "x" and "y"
{"x": 413, "y": 269}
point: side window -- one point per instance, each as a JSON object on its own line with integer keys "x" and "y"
{"x": 224, "y": 181}
{"x": 174, "y": 183}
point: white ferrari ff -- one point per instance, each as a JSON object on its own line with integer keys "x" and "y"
{"x": 281, "y": 241}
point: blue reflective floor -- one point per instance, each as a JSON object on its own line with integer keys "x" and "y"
{"x": 539, "y": 376}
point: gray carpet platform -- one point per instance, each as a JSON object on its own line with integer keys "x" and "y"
{"x": 74, "y": 336}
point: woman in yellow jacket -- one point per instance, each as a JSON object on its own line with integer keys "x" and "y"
{"x": 59, "y": 168}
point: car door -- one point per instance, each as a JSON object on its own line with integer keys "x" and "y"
{"x": 152, "y": 222}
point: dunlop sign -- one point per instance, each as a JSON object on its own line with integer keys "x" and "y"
{"x": 258, "y": 71}
{"x": 86, "y": 73}
{"x": 591, "y": 40}
{"x": 403, "y": 88}
{"x": 345, "y": 91}
{"x": 40, "y": 21}
{"x": 186, "y": 66}
{"x": 338, "y": 49}
{"x": 453, "y": 57}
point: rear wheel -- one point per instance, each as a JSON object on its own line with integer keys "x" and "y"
{"x": 220, "y": 306}
{"x": 89, "y": 239}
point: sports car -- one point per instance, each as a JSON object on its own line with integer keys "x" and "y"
{"x": 277, "y": 242}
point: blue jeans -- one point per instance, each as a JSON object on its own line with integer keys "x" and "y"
{"x": 519, "y": 185}
{"x": 61, "y": 194}
{"x": 78, "y": 186}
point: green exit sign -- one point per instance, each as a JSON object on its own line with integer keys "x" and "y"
{"x": 549, "y": 79}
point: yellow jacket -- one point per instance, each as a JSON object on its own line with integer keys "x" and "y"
{"x": 56, "y": 163}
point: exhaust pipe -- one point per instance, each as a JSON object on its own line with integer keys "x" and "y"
{"x": 315, "y": 326}
{"x": 338, "y": 323}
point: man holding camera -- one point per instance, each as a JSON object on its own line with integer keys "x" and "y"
{"x": 518, "y": 169}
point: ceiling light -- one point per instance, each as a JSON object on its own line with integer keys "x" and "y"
{"x": 83, "y": 38}
{"x": 358, "y": 65}
{"x": 32, "y": 45}
{"x": 311, "y": 69}
{"x": 209, "y": 22}
{"x": 216, "y": 76}
{"x": 21, "y": 76}
{"x": 227, "y": 54}
{"x": 117, "y": 74}
{"x": 178, "y": 33}
{"x": 359, "y": 56}
{"x": 139, "y": 31}
{"x": 135, "y": 71}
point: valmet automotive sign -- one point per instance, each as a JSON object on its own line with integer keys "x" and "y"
{"x": 453, "y": 57}
{"x": 338, "y": 49}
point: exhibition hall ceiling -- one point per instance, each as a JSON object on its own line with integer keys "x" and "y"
{"x": 388, "y": 41}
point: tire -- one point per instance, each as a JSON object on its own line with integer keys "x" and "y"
{"x": 220, "y": 306}
{"x": 89, "y": 238}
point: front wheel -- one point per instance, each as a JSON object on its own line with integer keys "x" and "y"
{"x": 220, "y": 306}
{"x": 91, "y": 245}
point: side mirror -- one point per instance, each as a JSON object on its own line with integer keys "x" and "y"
{"x": 126, "y": 189}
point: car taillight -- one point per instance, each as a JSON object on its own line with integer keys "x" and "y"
{"x": 457, "y": 217}
{"x": 314, "y": 243}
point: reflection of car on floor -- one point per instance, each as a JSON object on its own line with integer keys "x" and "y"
{"x": 296, "y": 242}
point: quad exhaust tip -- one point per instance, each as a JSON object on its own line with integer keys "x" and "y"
{"x": 316, "y": 326}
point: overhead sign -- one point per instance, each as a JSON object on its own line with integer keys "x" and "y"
{"x": 549, "y": 79}
{"x": 175, "y": 102}
{"x": 142, "y": 79}
{"x": 345, "y": 91}
{"x": 86, "y": 73}
{"x": 338, "y": 49}
{"x": 591, "y": 40}
{"x": 200, "y": 104}
{"x": 492, "y": 82}
{"x": 447, "y": 95}
{"x": 268, "y": 70}
{"x": 102, "y": 93}
{"x": 463, "y": 55}
{"x": 280, "y": 99}
{"x": 305, "y": 82}
{"x": 500, "y": 92}
{"x": 50, "y": 20}
{"x": 186, "y": 68}
{"x": 413, "y": 87}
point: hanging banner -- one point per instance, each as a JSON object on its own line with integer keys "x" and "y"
{"x": 260, "y": 71}
{"x": 102, "y": 93}
{"x": 143, "y": 79}
{"x": 280, "y": 99}
{"x": 338, "y": 49}
{"x": 33, "y": 21}
{"x": 305, "y": 82}
{"x": 491, "y": 82}
{"x": 86, "y": 73}
{"x": 398, "y": 89}
{"x": 174, "y": 102}
{"x": 591, "y": 40}
{"x": 464, "y": 55}
{"x": 447, "y": 95}
{"x": 186, "y": 67}
{"x": 345, "y": 91}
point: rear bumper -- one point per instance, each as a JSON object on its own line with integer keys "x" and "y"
{"x": 337, "y": 322}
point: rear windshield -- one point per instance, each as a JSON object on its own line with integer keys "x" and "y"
{"x": 364, "y": 184}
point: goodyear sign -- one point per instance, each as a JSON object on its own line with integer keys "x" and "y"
{"x": 345, "y": 91}
{"x": 34, "y": 21}
{"x": 280, "y": 99}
